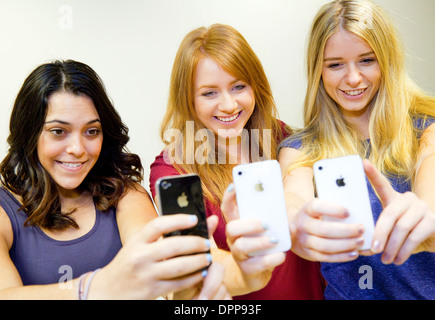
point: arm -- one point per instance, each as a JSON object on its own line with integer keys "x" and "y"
{"x": 313, "y": 238}
{"x": 156, "y": 266}
{"x": 144, "y": 268}
{"x": 245, "y": 273}
{"x": 135, "y": 209}
{"x": 11, "y": 286}
{"x": 407, "y": 222}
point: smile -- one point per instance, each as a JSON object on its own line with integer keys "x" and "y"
{"x": 228, "y": 119}
{"x": 353, "y": 93}
{"x": 71, "y": 165}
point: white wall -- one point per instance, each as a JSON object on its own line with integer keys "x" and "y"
{"x": 132, "y": 43}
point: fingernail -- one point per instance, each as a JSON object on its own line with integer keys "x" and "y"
{"x": 360, "y": 241}
{"x": 230, "y": 187}
{"x": 207, "y": 243}
{"x": 375, "y": 247}
{"x": 353, "y": 254}
{"x": 209, "y": 257}
{"x": 386, "y": 259}
{"x": 265, "y": 225}
{"x": 193, "y": 218}
{"x": 204, "y": 273}
{"x": 274, "y": 240}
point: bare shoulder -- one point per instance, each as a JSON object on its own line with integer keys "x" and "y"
{"x": 135, "y": 209}
{"x": 6, "y": 232}
{"x": 288, "y": 156}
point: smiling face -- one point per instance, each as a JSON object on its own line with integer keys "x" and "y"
{"x": 222, "y": 102}
{"x": 71, "y": 139}
{"x": 351, "y": 74}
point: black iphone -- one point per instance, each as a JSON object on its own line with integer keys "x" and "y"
{"x": 183, "y": 194}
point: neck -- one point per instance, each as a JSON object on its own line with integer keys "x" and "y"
{"x": 74, "y": 199}
{"x": 360, "y": 122}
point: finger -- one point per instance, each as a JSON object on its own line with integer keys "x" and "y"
{"x": 379, "y": 182}
{"x": 246, "y": 247}
{"x": 317, "y": 208}
{"x": 175, "y": 246}
{"x": 386, "y": 222}
{"x": 401, "y": 230}
{"x": 179, "y": 284}
{"x": 213, "y": 283}
{"x": 229, "y": 204}
{"x": 337, "y": 257}
{"x": 333, "y": 246}
{"x": 244, "y": 227}
{"x": 262, "y": 263}
{"x": 420, "y": 234}
{"x": 182, "y": 266}
{"x": 331, "y": 229}
{"x": 212, "y": 224}
{"x": 166, "y": 224}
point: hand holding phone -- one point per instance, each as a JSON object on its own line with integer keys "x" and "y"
{"x": 342, "y": 180}
{"x": 260, "y": 195}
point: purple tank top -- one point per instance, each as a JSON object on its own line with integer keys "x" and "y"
{"x": 40, "y": 259}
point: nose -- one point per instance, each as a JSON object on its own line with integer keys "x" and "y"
{"x": 354, "y": 76}
{"x": 75, "y": 145}
{"x": 228, "y": 103}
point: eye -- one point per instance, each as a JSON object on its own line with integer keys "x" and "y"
{"x": 93, "y": 132}
{"x": 239, "y": 87}
{"x": 334, "y": 66}
{"x": 57, "y": 131}
{"x": 208, "y": 93}
{"x": 368, "y": 61}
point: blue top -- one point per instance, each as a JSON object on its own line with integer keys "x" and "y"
{"x": 367, "y": 277}
{"x": 40, "y": 259}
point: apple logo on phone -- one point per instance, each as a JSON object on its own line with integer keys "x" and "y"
{"x": 182, "y": 200}
{"x": 340, "y": 182}
{"x": 259, "y": 187}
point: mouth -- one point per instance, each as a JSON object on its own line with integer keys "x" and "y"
{"x": 354, "y": 93}
{"x": 72, "y": 166}
{"x": 229, "y": 118}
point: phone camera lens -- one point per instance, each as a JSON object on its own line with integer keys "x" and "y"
{"x": 166, "y": 185}
{"x": 320, "y": 168}
{"x": 240, "y": 173}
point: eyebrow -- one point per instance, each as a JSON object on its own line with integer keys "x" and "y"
{"x": 360, "y": 56}
{"x": 67, "y": 123}
{"x": 214, "y": 86}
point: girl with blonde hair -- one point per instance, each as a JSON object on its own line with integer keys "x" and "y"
{"x": 360, "y": 100}
{"x": 220, "y": 113}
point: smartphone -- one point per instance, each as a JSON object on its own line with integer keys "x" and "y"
{"x": 182, "y": 194}
{"x": 343, "y": 181}
{"x": 260, "y": 195}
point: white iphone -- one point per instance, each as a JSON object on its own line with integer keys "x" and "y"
{"x": 342, "y": 180}
{"x": 260, "y": 195}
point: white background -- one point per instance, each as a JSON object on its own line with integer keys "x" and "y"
{"x": 131, "y": 44}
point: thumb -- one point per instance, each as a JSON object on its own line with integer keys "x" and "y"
{"x": 229, "y": 204}
{"x": 379, "y": 182}
{"x": 212, "y": 223}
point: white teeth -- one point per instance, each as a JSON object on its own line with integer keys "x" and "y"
{"x": 228, "y": 119}
{"x": 71, "y": 165}
{"x": 354, "y": 92}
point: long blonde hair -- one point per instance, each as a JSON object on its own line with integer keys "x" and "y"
{"x": 231, "y": 51}
{"x": 393, "y": 139}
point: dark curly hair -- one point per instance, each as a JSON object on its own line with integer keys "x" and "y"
{"x": 21, "y": 172}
